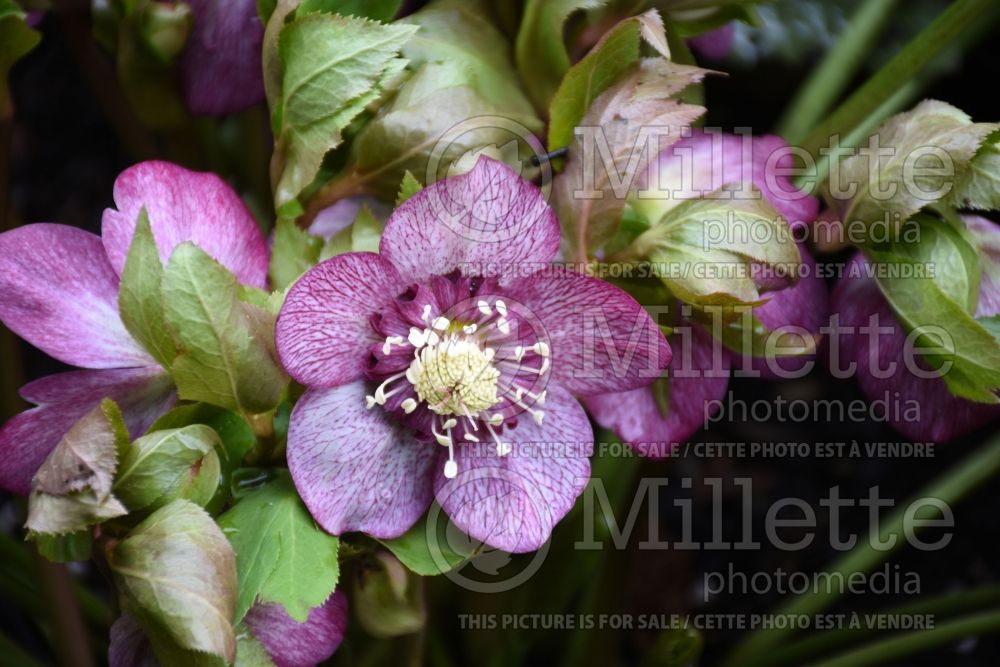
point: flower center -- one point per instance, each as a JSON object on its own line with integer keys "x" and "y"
{"x": 455, "y": 377}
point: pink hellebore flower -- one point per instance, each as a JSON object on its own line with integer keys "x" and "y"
{"x": 59, "y": 292}
{"x": 446, "y": 366}
{"x": 859, "y": 302}
{"x": 220, "y": 67}
{"x": 691, "y": 168}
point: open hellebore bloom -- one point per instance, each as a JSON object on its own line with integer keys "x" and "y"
{"x": 698, "y": 377}
{"x": 59, "y": 291}
{"x": 916, "y": 403}
{"x": 221, "y": 64}
{"x": 446, "y": 366}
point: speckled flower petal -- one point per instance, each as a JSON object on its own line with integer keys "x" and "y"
{"x": 221, "y": 68}
{"x": 58, "y": 292}
{"x": 355, "y": 469}
{"x": 698, "y": 377}
{"x": 324, "y": 327}
{"x": 513, "y": 502}
{"x": 185, "y": 205}
{"x": 601, "y": 338}
{"x": 143, "y": 394}
{"x": 294, "y": 644}
{"x": 940, "y": 416}
{"x": 488, "y": 221}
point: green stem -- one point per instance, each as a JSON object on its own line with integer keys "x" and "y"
{"x": 950, "y": 488}
{"x": 939, "y": 606}
{"x": 908, "y": 643}
{"x": 834, "y": 73}
{"x": 906, "y": 64}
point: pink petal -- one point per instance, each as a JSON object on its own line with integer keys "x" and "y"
{"x": 921, "y": 408}
{"x": 714, "y": 44}
{"x": 698, "y": 376}
{"x": 221, "y": 68}
{"x": 324, "y": 330}
{"x": 184, "y": 206}
{"x": 334, "y": 219}
{"x": 513, "y": 502}
{"x": 129, "y": 646}
{"x": 489, "y": 221}
{"x": 143, "y": 394}
{"x": 986, "y": 238}
{"x": 294, "y": 644}
{"x": 58, "y": 292}
{"x": 355, "y": 469}
{"x": 706, "y": 161}
{"x": 601, "y": 338}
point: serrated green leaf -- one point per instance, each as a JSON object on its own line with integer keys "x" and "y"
{"x": 281, "y": 555}
{"x": 176, "y": 573}
{"x": 598, "y": 70}
{"x": 293, "y": 252}
{"x": 332, "y": 68}
{"x": 430, "y": 550}
{"x": 166, "y": 465}
{"x": 140, "y": 297}
{"x": 379, "y": 10}
{"x": 65, "y": 548}
{"x": 72, "y": 489}
{"x": 881, "y": 184}
{"x": 705, "y": 249}
{"x": 236, "y": 435}
{"x": 249, "y": 651}
{"x": 979, "y": 187}
{"x": 540, "y": 51}
{"x": 225, "y": 348}
{"x": 408, "y": 187}
{"x": 16, "y": 39}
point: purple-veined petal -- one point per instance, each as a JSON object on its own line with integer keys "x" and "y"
{"x": 143, "y": 394}
{"x": 513, "y": 502}
{"x": 324, "y": 327}
{"x": 221, "y": 68}
{"x": 986, "y": 238}
{"x": 921, "y": 408}
{"x": 338, "y": 217}
{"x": 355, "y": 469}
{"x": 601, "y": 338}
{"x": 714, "y": 44}
{"x": 698, "y": 376}
{"x": 489, "y": 221}
{"x": 706, "y": 161}
{"x": 185, "y": 205}
{"x": 294, "y": 644}
{"x": 58, "y": 292}
{"x": 129, "y": 646}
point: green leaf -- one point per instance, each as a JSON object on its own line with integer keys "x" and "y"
{"x": 598, "y": 70}
{"x": 281, "y": 555}
{"x": 166, "y": 465}
{"x": 387, "y": 600}
{"x": 428, "y": 550}
{"x": 72, "y": 489}
{"x": 705, "y": 249}
{"x": 917, "y": 139}
{"x": 332, "y": 68}
{"x": 140, "y": 297}
{"x": 743, "y": 333}
{"x": 176, "y": 573}
{"x": 65, "y": 548}
{"x": 236, "y": 435}
{"x": 249, "y": 651}
{"x": 293, "y": 252}
{"x": 604, "y": 163}
{"x": 408, "y": 187}
{"x": 461, "y": 78}
{"x": 225, "y": 346}
{"x": 16, "y": 39}
{"x": 979, "y": 187}
{"x": 540, "y": 51}
{"x": 379, "y": 10}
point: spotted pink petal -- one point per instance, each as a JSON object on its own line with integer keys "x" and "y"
{"x": 941, "y": 416}
{"x": 513, "y": 502}
{"x": 706, "y": 161}
{"x": 143, "y": 394}
{"x": 324, "y": 330}
{"x": 58, "y": 292}
{"x": 355, "y": 469}
{"x": 601, "y": 338}
{"x": 489, "y": 221}
{"x": 698, "y": 376}
{"x": 221, "y": 68}
{"x": 185, "y": 205}
{"x": 294, "y": 644}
